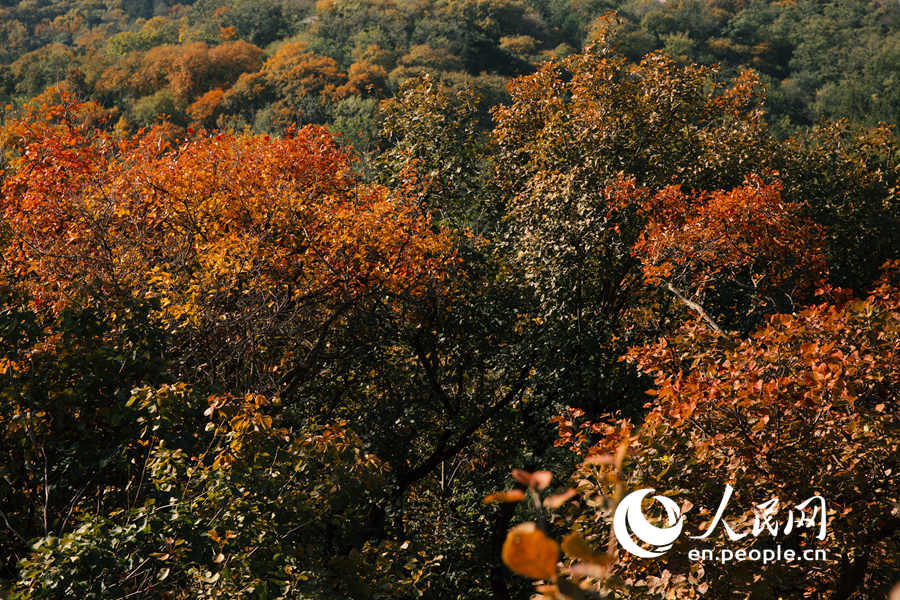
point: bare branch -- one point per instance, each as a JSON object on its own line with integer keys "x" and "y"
{"x": 703, "y": 314}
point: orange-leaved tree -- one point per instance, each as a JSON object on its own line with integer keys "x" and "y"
{"x": 226, "y": 263}
{"x": 797, "y": 402}
{"x": 804, "y": 406}
{"x": 258, "y": 243}
{"x": 729, "y": 255}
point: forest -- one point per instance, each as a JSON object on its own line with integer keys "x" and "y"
{"x": 268, "y": 64}
{"x": 449, "y": 299}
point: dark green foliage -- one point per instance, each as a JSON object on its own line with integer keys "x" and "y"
{"x": 63, "y": 402}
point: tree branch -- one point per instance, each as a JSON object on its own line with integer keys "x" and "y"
{"x": 443, "y": 450}
{"x": 703, "y": 314}
{"x": 11, "y": 528}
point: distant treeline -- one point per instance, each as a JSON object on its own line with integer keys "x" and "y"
{"x": 266, "y": 64}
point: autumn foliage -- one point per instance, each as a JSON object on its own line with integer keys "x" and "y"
{"x": 748, "y": 236}
{"x": 801, "y": 406}
{"x": 213, "y": 228}
{"x": 237, "y": 365}
{"x": 761, "y": 374}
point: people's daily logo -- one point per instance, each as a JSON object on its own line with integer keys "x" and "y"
{"x": 630, "y": 520}
{"x": 637, "y": 535}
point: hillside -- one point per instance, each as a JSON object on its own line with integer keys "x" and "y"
{"x": 266, "y": 64}
{"x": 451, "y": 300}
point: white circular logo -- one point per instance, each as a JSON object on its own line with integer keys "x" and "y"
{"x": 630, "y": 517}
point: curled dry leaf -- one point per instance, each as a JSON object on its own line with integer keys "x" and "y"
{"x": 537, "y": 480}
{"x": 529, "y": 552}
{"x": 555, "y": 501}
{"x": 507, "y": 496}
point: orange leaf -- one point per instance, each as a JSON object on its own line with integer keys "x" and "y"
{"x": 537, "y": 480}
{"x": 507, "y": 496}
{"x": 529, "y": 552}
{"x": 555, "y": 501}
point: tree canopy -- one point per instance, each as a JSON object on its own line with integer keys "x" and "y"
{"x": 377, "y": 300}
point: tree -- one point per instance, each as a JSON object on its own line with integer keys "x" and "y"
{"x": 319, "y": 291}
{"x": 249, "y": 508}
{"x": 195, "y": 227}
{"x": 577, "y": 129}
{"x": 802, "y": 406}
{"x": 739, "y": 254}
{"x": 434, "y": 136}
{"x": 67, "y": 438}
{"x": 797, "y": 400}
{"x": 155, "y": 32}
{"x": 847, "y": 177}
{"x": 259, "y": 23}
{"x": 364, "y": 79}
{"x": 298, "y": 74}
{"x": 41, "y": 68}
{"x": 204, "y": 110}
